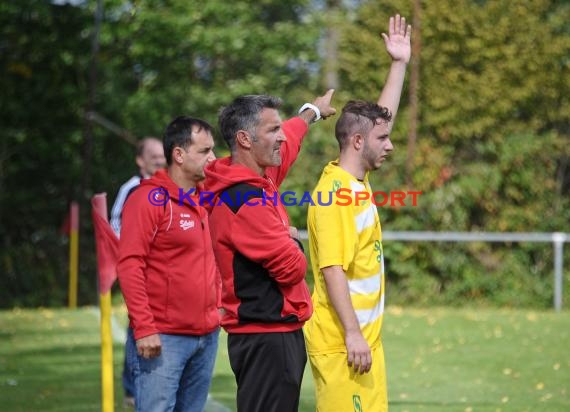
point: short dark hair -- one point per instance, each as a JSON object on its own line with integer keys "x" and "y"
{"x": 243, "y": 114}
{"x": 178, "y": 133}
{"x": 359, "y": 116}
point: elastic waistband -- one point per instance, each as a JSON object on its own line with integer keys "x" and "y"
{"x": 263, "y": 327}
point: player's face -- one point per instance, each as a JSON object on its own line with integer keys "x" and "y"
{"x": 198, "y": 155}
{"x": 377, "y": 146}
{"x": 152, "y": 158}
{"x": 266, "y": 143}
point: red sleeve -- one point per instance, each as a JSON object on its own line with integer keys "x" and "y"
{"x": 140, "y": 221}
{"x": 259, "y": 234}
{"x": 295, "y": 130}
{"x": 218, "y": 288}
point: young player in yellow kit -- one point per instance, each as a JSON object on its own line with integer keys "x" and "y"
{"x": 343, "y": 336}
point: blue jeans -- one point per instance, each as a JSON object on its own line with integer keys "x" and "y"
{"x": 179, "y": 378}
{"x": 130, "y": 357}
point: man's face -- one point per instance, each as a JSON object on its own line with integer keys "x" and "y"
{"x": 152, "y": 158}
{"x": 266, "y": 143}
{"x": 377, "y": 145}
{"x": 198, "y": 155}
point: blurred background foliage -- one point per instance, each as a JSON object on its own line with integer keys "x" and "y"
{"x": 492, "y": 115}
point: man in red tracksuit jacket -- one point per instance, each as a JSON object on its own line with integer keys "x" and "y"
{"x": 264, "y": 294}
{"x": 169, "y": 278}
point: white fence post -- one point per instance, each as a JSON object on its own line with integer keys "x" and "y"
{"x": 558, "y": 243}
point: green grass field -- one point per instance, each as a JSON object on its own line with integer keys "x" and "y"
{"x": 465, "y": 360}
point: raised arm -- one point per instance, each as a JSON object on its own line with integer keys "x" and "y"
{"x": 399, "y": 48}
{"x": 295, "y": 130}
{"x": 323, "y": 104}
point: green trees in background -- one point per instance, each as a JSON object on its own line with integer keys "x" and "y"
{"x": 493, "y": 146}
{"x": 43, "y": 54}
{"x": 493, "y": 139}
{"x": 156, "y": 60}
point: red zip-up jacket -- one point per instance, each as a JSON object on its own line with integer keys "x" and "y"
{"x": 167, "y": 268}
{"x": 262, "y": 267}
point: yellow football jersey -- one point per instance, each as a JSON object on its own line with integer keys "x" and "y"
{"x": 344, "y": 229}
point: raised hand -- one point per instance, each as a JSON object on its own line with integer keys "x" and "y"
{"x": 324, "y": 104}
{"x": 398, "y": 39}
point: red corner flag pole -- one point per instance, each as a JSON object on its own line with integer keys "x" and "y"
{"x": 107, "y": 255}
{"x": 73, "y": 254}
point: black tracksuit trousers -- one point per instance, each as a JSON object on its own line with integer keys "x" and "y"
{"x": 269, "y": 369}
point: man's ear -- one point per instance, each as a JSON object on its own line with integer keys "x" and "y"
{"x": 140, "y": 162}
{"x": 178, "y": 155}
{"x": 357, "y": 141}
{"x": 243, "y": 139}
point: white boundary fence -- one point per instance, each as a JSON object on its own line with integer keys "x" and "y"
{"x": 556, "y": 238}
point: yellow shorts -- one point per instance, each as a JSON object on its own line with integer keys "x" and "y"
{"x": 339, "y": 388}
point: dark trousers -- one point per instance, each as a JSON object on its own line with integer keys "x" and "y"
{"x": 269, "y": 369}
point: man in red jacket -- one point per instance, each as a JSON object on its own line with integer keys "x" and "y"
{"x": 264, "y": 296}
{"x": 169, "y": 277}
